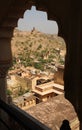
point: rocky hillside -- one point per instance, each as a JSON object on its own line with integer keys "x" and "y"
{"x": 37, "y": 49}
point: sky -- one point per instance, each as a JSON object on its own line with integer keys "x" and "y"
{"x": 38, "y": 19}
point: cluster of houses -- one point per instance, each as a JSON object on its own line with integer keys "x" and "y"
{"x": 42, "y": 86}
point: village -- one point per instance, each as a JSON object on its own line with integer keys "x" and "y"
{"x": 26, "y": 87}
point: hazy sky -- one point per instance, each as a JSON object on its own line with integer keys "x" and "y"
{"x": 38, "y": 19}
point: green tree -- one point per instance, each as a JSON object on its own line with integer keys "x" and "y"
{"x": 8, "y": 92}
{"x": 39, "y": 66}
{"x": 39, "y": 47}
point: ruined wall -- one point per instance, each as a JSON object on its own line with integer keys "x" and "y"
{"x": 58, "y": 76}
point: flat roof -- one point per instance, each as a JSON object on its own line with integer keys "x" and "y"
{"x": 45, "y": 85}
{"x": 47, "y": 92}
{"x": 54, "y": 111}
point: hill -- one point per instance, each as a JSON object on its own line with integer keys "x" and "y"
{"x": 37, "y": 49}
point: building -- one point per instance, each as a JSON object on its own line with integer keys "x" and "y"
{"x": 52, "y": 114}
{"x": 25, "y": 101}
{"x": 59, "y": 75}
{"x": 68, "y": 15}
{"x": 47, "y": 90}
{"x": 17, "y": 85}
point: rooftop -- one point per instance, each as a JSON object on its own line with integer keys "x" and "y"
{"x": 20, "y": 99}
{"x": 49, "y": 87}
{"x": 54, "y": 111}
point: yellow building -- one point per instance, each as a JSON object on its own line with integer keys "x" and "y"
{"x": 58, "y": 76}
{"x": 25, "y": 101}
{"x": 47, "y": 90}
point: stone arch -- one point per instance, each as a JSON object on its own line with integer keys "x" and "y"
{"x": 17, "y": 9}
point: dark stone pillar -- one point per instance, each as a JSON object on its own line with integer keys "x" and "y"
{"x": 5, "y": 63}
{"x": 72, "y": 33}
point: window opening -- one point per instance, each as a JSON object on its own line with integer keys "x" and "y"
{"x": 38, "y": 59}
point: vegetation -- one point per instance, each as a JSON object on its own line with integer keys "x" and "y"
{"x": 39, "y": 47}
{"x": 36, "y": 46}
{"x": 9, "y": 92}
{"x": 39, "y": 66}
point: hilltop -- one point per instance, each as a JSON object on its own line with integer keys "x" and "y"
{"x": 37, "y": 49}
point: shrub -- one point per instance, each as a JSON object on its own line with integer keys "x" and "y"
{"x": 39, "y": 47}
{"x": 39, "y": 66}
{"x": 8, "y": 92}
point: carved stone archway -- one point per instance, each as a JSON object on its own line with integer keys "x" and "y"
{"x": 69, "y": 18}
